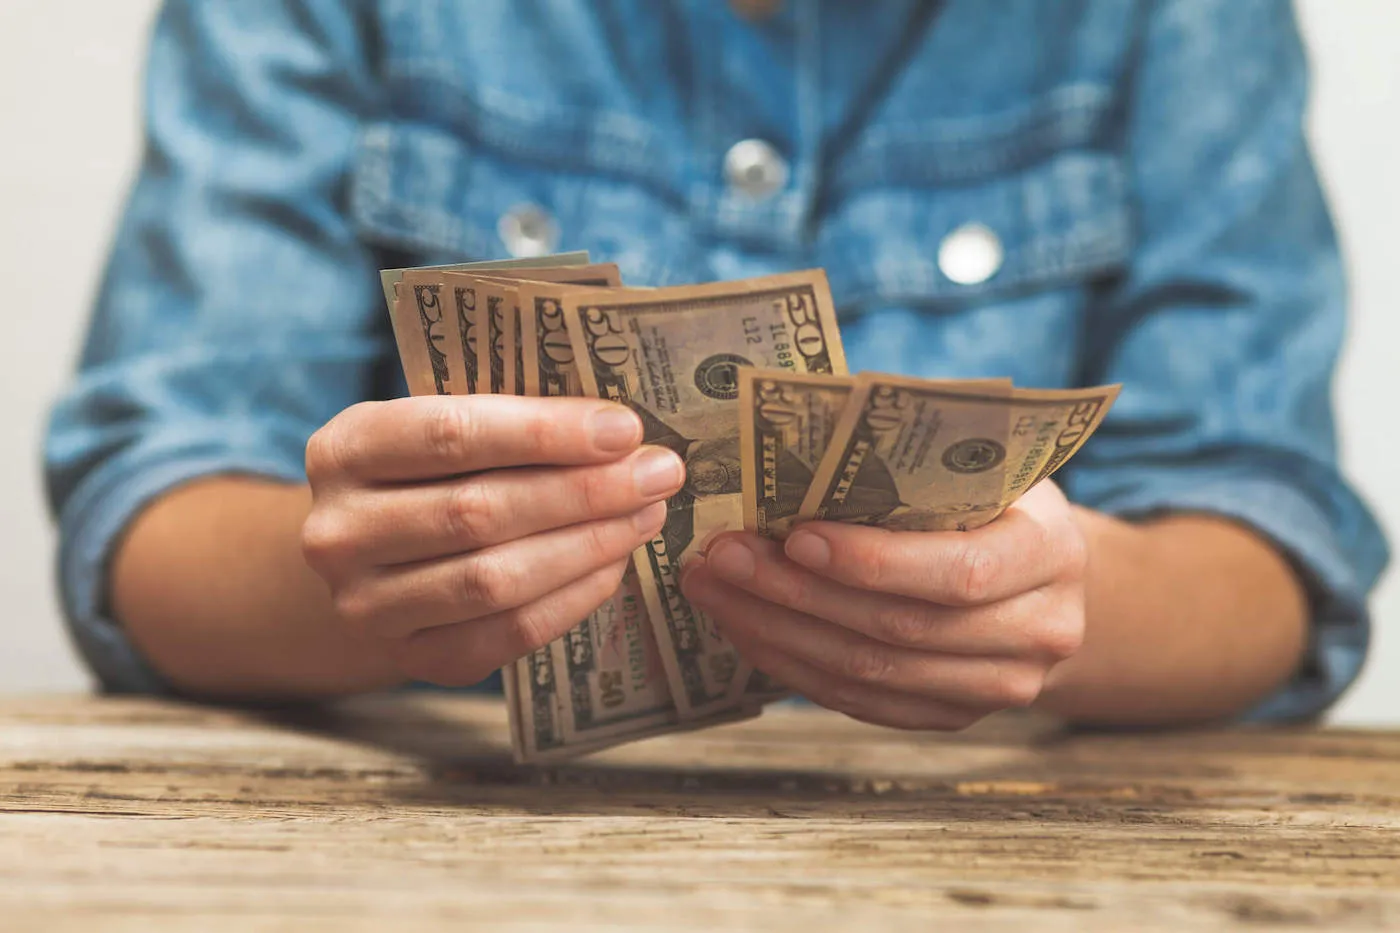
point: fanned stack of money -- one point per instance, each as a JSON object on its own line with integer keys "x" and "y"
{"x": 747, "y": 382}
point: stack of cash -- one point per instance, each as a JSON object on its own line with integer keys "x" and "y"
{"x": 747, "y": 382}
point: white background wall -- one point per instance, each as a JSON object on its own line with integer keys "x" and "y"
{"x": 69, "y": 72}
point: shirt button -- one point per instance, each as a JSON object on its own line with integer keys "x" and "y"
{"x": 753, "y": 167}
{"x": 528, "y": 231}
{"x": 970, "y": 255}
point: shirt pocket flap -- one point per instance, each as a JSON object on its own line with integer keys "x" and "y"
{"x": 424, "y": 190}
{"x": 1064, "y": 219}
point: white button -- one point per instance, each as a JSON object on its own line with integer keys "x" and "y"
{"x": 755, "y": 168}
{"x": 970, "y": 255}
{"x": 528, "y": 231}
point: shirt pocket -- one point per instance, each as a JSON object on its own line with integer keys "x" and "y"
{"x": 427, "y": 191}
{"x": 978, "y": 210}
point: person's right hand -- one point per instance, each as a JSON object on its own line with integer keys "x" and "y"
{"x": 465, "y": 532}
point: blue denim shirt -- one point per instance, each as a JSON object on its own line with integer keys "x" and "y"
{"x": 1140, "y": 167}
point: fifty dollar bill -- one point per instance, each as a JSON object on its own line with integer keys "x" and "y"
{"x": 674, "y": 355}
{"x": 918, "y": 455}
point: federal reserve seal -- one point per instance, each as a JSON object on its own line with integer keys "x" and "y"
{"x": 974, "y": 455}
{"x": 718, "y": 376}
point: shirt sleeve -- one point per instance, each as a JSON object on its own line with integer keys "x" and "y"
{"x": 1225, "y": 330}
{"x": 238, "y": 310}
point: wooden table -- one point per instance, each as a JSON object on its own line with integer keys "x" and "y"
{"x": 406, "y": 814}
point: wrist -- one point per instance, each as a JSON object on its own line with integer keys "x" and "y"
{"x": 1086, "y": 687}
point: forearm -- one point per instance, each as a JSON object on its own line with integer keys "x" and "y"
{"x": 1189, "y": 618}
{"x": 211, "y": 585}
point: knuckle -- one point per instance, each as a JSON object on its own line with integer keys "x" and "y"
{"x": 535, "y": 626}
{"x": 354, "y": 608}
{"x": 530, "y": 631}
{"x": 869, "y": 567}
{"x": 1017, "y": 686}
{"x": 325, "y": 541}
{"x": 593, "y": 490}
{"x": 607, "y": 540}
{"x": 867, "y": 664}
{"x": 903, "y": 624}
{"x": 473, "y": 513}
{"x": 332, "y": 450}
{"x": 972, "y": 572}
{"x": 539, "y": 624}
{"x": 488, "y": 582}
{"x": 318, "y": 454}
{"x": 325, "y": 455}
{"x": 543, "y": 434}
{"x": 796, "y": 590}
{"x": 448, "y": 430}
{"x": 1062, "y": 636}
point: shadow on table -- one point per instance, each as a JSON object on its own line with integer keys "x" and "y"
{"x": 460, "y": 763}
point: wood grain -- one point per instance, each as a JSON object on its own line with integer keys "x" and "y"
{"x": 406, "y": 811}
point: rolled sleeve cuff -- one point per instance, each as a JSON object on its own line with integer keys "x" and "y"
{"x": 1339, "y": 632}
{"x": 99, "y": 513}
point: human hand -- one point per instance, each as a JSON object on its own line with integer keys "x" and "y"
{"x": 916, "y": 630}
{"x": 465, "y": 532}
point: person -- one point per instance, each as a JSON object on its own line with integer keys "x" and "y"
{"x": 1062, "y": 193}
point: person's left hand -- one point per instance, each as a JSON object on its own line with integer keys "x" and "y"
{"x": 916, "y": 630}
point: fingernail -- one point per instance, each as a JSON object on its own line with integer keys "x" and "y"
{"x": 615, "y": 428}
{"x": 657, "y": 472}
{"x": 650, "y": 519}
{"x": 731, "y": 560}
{"x": 808, "y": 549}
{"x": 704, "y": 546}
